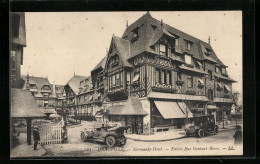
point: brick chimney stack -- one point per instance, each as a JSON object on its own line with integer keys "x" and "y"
{"x": 209, "y": 39}
{"x": 27, "y": 81}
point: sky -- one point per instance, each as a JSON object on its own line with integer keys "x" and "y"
{"x": 60, "y": 44}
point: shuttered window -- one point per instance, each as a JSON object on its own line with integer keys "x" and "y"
{"x": 189, "y": 82}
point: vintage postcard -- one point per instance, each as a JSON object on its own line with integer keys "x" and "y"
{"x": 111, "y": 84}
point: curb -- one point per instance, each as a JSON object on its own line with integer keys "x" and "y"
{"x": 169, "y": 138}
{"x": 156, "y": 140}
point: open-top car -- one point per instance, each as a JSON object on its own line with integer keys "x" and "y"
{"x": 201, "y": 125}
{"x": 110, "y": 135}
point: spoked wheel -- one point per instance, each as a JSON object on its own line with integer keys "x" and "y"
{"x": 83, "y": 137}
{"x": 201, "y": 133}
{"x": 123, "y": 141}
{"x": 110, "y": 141}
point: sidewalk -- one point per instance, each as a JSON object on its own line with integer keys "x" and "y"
{"x": 157, "y": 137}
{"x": 229, "y": 126}
{"x": 23, "y": 150}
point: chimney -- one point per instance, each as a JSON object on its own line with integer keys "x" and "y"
{"x": 209, "y": 39}
{"x": 27, "y": 82}
{"x": 126, "y": 23}
{"x": 161, "y": 22}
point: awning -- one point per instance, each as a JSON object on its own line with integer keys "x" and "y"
{"x": 227, "y": 88}
{"x": 201, "y": 81}
{"x": 136, "y": 78}
{"x": 185, "y": 109}
{"x": 169, "y": 109}
{"x": 170, "y": 96}
{"x": 225, "y": 100}
{"x": 219, "y": 85}
{"x": 132, "y": 106}
{"x": 91, "y": 98}
{"x": 199, "y": 63}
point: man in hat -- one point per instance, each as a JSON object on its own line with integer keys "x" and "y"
{"x": 36, "y": 137}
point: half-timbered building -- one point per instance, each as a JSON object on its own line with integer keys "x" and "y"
{"x": 156, "y": 77}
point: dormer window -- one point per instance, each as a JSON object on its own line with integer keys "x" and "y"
{"x": 46, "y": 87}
{"x": 188, "y": 45}
{"x": 187, "y": 59}
{"x": 135, "y": 34}
{"x": 154, "y": 27}
{"x": 224, "y": 70}
{"x": 217, "y": 69}
{"x": 162, "y": 49}
{"x": 176, "y": 41}
{"x": 208, "y": 53}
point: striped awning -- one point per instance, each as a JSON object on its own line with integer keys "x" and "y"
{"x": 136, "y": 78}
{"x": 219, "y": 85}
{"x": 169, "y": 109}
{"x": 185, "y": 109}
{"x": 201, "y": 81}
{"x": 227, "y": 88}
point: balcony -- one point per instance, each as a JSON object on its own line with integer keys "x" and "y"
{"x": 164, "y": 88}
{"x": 118, "y": 94}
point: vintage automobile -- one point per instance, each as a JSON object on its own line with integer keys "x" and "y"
{"x": 201, "y": 125}
{"x": 110, "y": 135}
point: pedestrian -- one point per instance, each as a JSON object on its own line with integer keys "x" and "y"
{"x": 36, "y": 137}
{"x": 238, "y": 135}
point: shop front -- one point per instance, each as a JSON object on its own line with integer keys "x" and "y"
{"x": 129, "y": 113}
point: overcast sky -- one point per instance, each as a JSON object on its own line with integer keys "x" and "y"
{"x": 59, "y": 44}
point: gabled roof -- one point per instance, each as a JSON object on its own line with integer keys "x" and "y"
{"x": 149, "y": 36}
{"x": 23, "y": 105}
{"x": 101, "y": 64}
{"x": 38, "y": 81}
{"x": 122, "y": 48}
{"x": 74, "y": 83}
{"x": 87, "y": 85}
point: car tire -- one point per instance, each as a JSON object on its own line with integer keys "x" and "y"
{"x": 83, "y": 137}
{"x": 201, "y": 133}
{"x": 215, "y": 130}
{"x": 110, "y": 141}
{"x": 124, "y": 141}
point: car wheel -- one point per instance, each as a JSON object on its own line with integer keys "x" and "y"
{"x": 110, "y": 141}
{"x": 215, "y": 130}
{"x": 83, "y": 137}
{"x": 123, "y": 141}
{"x": 201, "y": 133}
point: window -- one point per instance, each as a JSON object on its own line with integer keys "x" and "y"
{"x": 113, "y": 79}
{"x": 154, "y": 27}
{"x": 210, "y": 75}
{"x": 217, "y": 69}
{"x": 188, "y": 45}
{"x": 208, "y": 52}
{"x": 189, "y": 81}
{"x": 117, "y": 79}
{"x": 188, "y": 59}
{"x": 176, "y": 41}
{"x": 135, "y": 34}
{"x": 168, "y": 77}
{"x": 157, "y": 75}
{"x": 46, "y": 87}
{"x": 210, "y": 94}
{"x": 223, "y": 70}
{"x": 178, "y": 76}
{"x": 163, "y": 76}
{"x": 162, "y": 50}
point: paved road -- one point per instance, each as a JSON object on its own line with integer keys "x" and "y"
{"x": 211, "y": 145}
